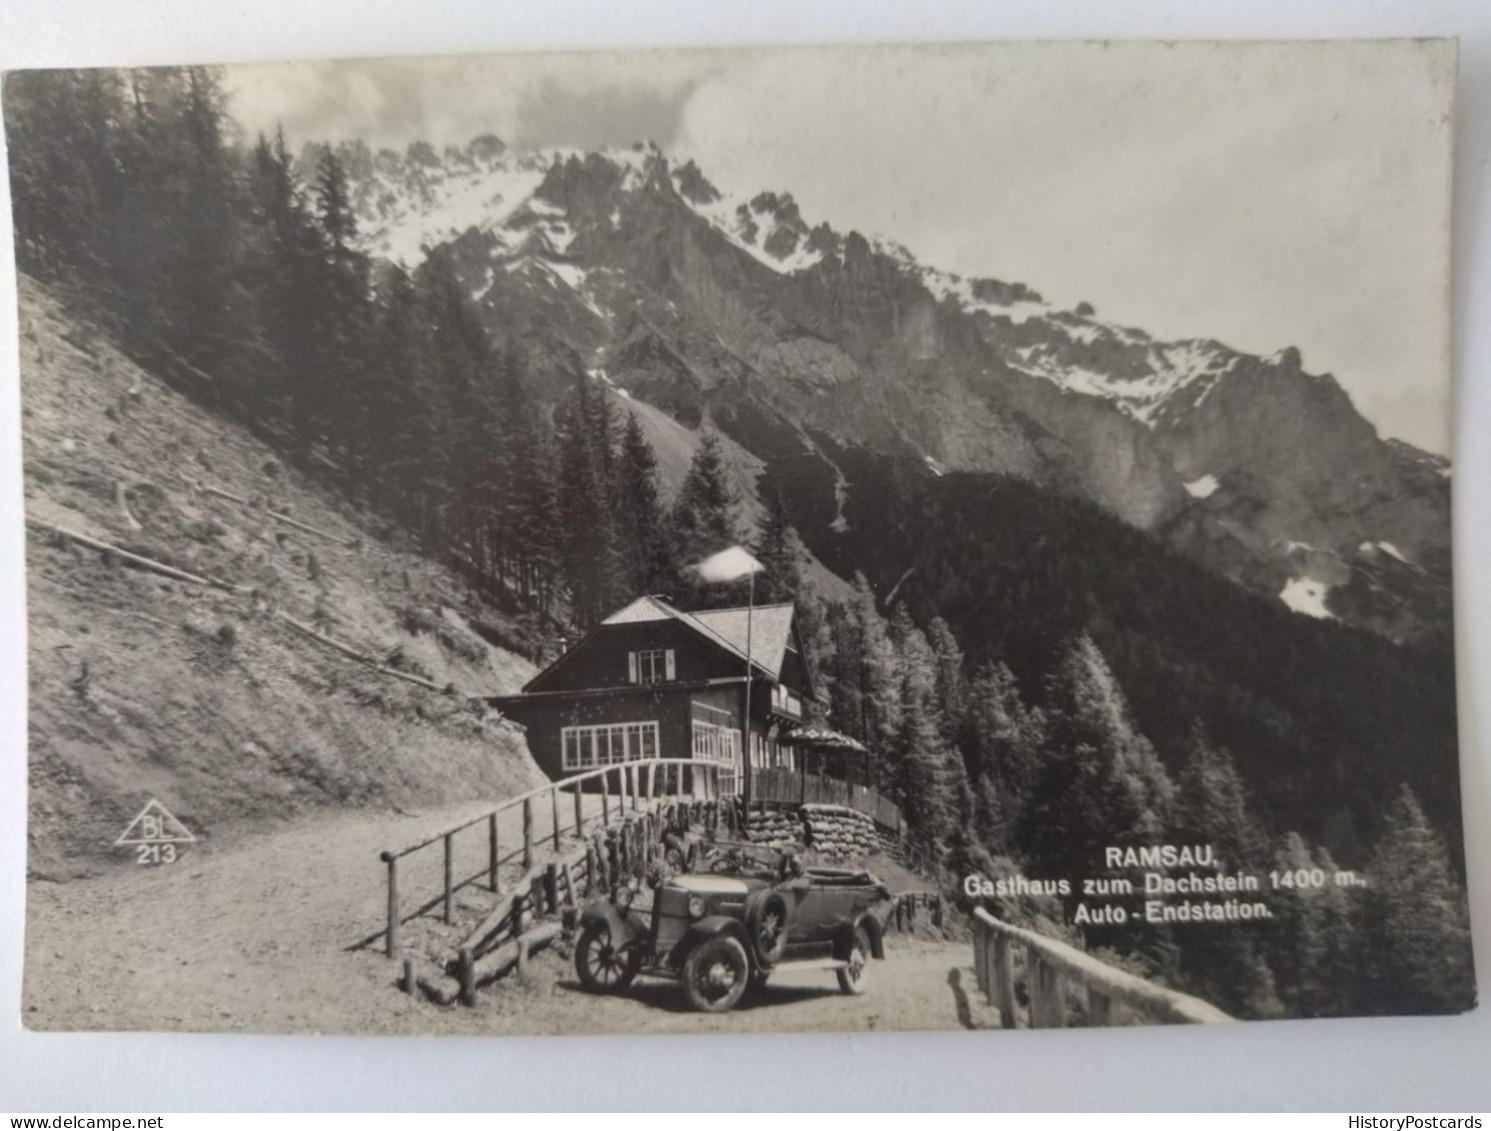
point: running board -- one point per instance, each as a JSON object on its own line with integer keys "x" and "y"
{"x": 810, "y": 964}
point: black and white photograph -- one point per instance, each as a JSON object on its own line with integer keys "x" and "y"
{"x": 794, "y": 539}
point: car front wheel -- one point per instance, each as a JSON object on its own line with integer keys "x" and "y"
{"x": 715, "y": 974}
{"x": 852, "y": 978}
{"x": 602, "y": 967}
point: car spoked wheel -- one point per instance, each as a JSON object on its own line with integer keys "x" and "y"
{"x": 716, "y": 973}
{"x": 768, "y": 922}
{"x": 852, "y": 978}
{"x": 603, "y": 968}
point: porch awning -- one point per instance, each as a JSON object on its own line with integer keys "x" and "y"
{"x": 822, "y": 738}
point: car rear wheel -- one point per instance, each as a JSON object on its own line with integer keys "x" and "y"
{"x": 716, "y": 973}
{"x": 852, "y": 978}
{"x": 602, "y": 967}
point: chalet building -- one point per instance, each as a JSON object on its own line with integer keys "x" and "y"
{"x": 653, "y": 681}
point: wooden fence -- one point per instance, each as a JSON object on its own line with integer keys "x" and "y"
{"x": 1051, "y": 967}
{"x": 908, "y": 906}
{"x": 788, "y": 787}
{"x": 622, "y": 788}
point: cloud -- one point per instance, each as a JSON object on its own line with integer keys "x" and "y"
{"x": 597, "y": 117}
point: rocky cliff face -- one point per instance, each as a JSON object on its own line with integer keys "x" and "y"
{"x": 784, "y": 333}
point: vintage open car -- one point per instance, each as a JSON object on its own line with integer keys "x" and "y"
{"x": 745, "y": 912}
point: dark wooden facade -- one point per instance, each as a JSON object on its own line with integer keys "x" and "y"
{"x": 652, "y": 681}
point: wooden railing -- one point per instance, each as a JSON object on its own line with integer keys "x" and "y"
{"x": 642, "y": 780}
{"x": 1052, "y": 966}
{"x": 906, "y": 906}
{"x": 788, "y": 787}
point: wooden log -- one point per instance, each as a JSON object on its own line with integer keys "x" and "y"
{"x": 392, "y": 948}
{"x": 571, "y": 897}
{"x": 352, "y": 653}
{"x": 527, "y": 833}
{"x": 279, "y": 516}
{"x": 449, "y": 872}
{"x": 554, "y": 814}
{"x": 502, "y": 961}
{"x": 1004, "y": 983}
{"x": 493, "y": 881}
{"x": 123, "y": 504}
{"x": 440, "y": 995}
{"x": 466, "y": 974}
{"x": 136, "y": 560}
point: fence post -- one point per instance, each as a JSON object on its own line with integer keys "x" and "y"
{"x": 980, "y": 974}
{"x": 554, "y": 808}
{"x": 1004, "y": 983}
{"x": 1099, "y": 1008}
{"x": 1055, "y": 997}
{"x": 605, "y": 798}
{"x": 392, "y": 942}
{"x": 579, "y": 812}
{"x": 466, "y": 971}
{"x": 527, "y": 833}
{"x": 1035, "y": 988}
{"x": 448, "y": 873}
{"x": 651, "y": 781}
{"x": 551, "y": 888}
{"x": 493, "y": 881}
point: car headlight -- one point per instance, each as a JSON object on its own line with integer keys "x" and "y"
{"x": 696, "y": 906}
{"x": 623, "y": 897}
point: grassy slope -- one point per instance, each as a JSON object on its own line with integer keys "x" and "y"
{"x": 201, "y": 698}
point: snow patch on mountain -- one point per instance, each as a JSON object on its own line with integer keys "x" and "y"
{"x": 1306, "y": 596}
{"x": 483, "y": 200}
{"x": 1203, "y": 488}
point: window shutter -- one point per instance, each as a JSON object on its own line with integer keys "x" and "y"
{"x": 669, "y": 662}
{"x": 631, "y": 667}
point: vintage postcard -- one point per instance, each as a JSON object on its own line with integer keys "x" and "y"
{"x": 917, "y": 537}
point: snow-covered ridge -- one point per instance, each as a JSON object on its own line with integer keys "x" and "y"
{"x": 411, "y": 203}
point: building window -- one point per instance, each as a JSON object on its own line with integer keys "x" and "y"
{"x": 653, "y": 665}
{"x": 589, "y": 748}
{"x": 716, "y": 743}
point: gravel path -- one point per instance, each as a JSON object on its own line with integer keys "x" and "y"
{"x": 254, "y": 938}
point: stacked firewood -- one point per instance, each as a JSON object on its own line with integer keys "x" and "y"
{"x": 832, "y": 830}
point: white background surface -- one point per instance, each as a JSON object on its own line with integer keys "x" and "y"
{"x": 1368, "y": 1066}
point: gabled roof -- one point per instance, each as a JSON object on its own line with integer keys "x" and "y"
{"x": 770, "y": 628}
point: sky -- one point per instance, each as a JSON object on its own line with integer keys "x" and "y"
{"x": 1262, "y": 194}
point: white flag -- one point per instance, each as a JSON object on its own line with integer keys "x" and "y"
{"x": 728, "y": 565}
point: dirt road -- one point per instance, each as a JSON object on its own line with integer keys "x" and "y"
{"x": 254, "y": 938}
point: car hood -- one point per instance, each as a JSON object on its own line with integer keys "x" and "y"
{"x": 715, "y": 885}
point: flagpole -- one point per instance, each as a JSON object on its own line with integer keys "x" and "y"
{"x": 746, "y": 733}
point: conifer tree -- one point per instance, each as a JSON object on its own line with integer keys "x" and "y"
{"x": 641, "y": 523}
{"x": 1415, "y": 921}
{"x": 1102, "y": 783}
{"x": 780, "y": 552}
{"x": 704, "y": 523}
{"x": 1002, "y": 740}
{"x": 592, "y": 564}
